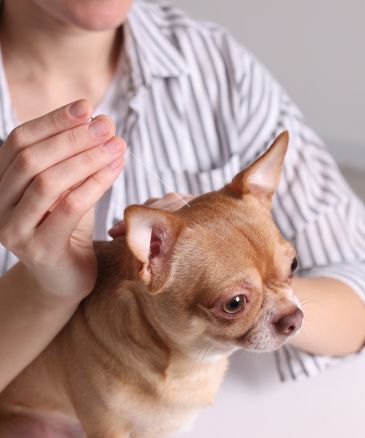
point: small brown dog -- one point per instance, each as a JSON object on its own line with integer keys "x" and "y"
{"x": 175, "y": 296}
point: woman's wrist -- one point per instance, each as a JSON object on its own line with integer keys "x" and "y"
{"x": 30, "y": 318}
{"x": 26, "y": 289}
{"x": 334, "y": 317}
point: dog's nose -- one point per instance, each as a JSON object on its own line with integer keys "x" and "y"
{"x": 289, "y": 323}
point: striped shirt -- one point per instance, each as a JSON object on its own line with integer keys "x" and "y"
{"x": 196, "y": 107}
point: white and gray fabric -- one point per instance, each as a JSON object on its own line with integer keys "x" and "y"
{"x": 196, "y": 107}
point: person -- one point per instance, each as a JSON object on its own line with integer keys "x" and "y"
{"x": 194, "y": 107}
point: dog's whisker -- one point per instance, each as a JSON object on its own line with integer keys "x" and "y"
{"x": 200, "y": 361}
{"x": 307, "y": 322}
{"x": 307, "y": 303}
{"x": 308, "y": 300}
{"x": 201, "y": 355}
{"x": 205, "y": 353}
{"x": 139, "y": 161}
{"x": 309, "y": 307}
{"x": 165, "y": 316}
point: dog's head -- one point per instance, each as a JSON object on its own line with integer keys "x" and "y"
{"x": 220, "y": 272}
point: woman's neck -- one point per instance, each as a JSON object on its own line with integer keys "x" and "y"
{"x": 49, "y": 45}
{"x": 62, "y": 61}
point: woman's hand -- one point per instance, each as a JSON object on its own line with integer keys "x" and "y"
{"x": 52, "y": 172}
{"x": 169, "y": 202}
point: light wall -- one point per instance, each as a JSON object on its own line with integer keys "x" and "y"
{"x": 316, "y": 49}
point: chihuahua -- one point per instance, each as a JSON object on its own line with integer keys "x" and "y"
{"x": 175, "y": 296}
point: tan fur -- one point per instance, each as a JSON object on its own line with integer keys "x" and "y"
{"x": 148, "y": 348}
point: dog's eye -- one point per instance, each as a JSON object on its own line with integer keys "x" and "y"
{"x": 235, "y": 304}
{"x": 294, "y": 265}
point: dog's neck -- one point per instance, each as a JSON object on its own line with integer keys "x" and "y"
{"x": 132, "y": 315}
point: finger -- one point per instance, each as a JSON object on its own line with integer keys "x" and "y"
{"x": 178, "y": 196}
{"x": 188, "y": 197}
{"x": 43, "y": 127}
{"x": 170, "y": 202}
{"x": 117, "y": 229}
{"x": 61, "y": 223}
{"x": 37, "y": 158}
{"x": 150, "y": 201}
{"x": 48, "y": 186}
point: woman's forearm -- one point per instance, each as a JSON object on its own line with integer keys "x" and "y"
{"x": 334, "y": 321}
{"x": 334, "y": 317}
{"x": 29, "y": 320}
{"x": 53, "y": 170}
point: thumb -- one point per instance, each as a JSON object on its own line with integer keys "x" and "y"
{"x": 117, "y": 230}
{"x": 85, "y": 227}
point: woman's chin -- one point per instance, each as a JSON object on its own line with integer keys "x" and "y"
{"x": 98, "y": 16}
{"x": 92, "y": 15}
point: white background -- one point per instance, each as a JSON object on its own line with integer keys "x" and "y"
{"x": 315, "y": 49}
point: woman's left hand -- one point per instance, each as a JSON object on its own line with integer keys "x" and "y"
{"x": 170, "y": 202}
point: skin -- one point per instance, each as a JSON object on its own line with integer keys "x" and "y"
{"x": 156, "y": 333}
{"x": 334, "y": 321}
{"x": 39, "y": 159}
{"x": 334, "y": 315}
{"x": 45, "y": 287}
{"x": 66, "y": 40}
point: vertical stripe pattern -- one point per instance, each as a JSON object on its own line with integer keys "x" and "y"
{"x": 199, "y": 108}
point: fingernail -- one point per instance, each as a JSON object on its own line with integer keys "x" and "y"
{"x": 113, "y": 146}
{"x": 115, "y": 164}
{"x": 99, "y": 128}
{"x": 78, "y": 109}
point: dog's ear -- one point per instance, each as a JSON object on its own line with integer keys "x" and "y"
{"x": 262, "y": 177}
{"x": 151, "y": 236}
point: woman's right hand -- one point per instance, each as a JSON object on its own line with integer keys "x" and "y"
{"x": 53, "y": 170}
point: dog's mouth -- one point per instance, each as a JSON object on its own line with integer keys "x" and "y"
{"x": 243, "y": 339}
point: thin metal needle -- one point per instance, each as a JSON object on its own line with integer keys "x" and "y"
{"x": 156, "y": 176}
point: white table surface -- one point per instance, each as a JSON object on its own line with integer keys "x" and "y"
{"x": 253, "y": 404}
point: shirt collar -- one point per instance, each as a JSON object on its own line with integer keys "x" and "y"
{"x": 150, "y": 50}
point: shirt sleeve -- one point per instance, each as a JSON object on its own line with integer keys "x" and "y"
{"x": 314, "y": 207}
